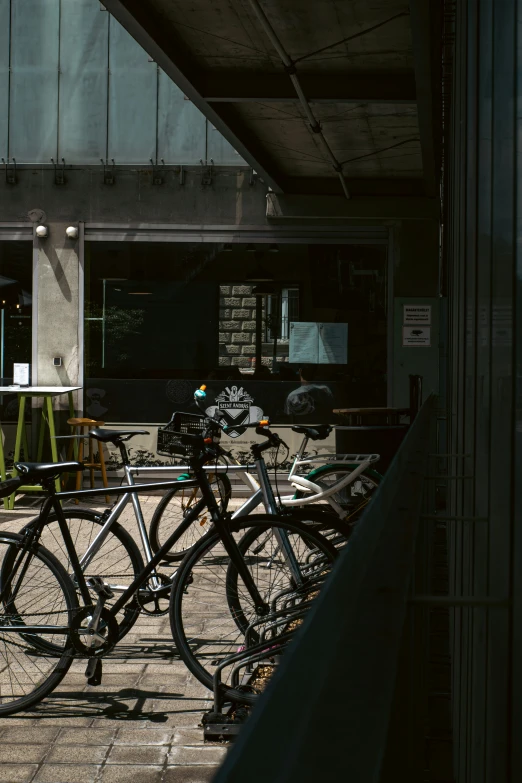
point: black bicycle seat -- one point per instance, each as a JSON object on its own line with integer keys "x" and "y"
{"x": 315, "y": 433}
{"x": 39, "y": 470}
{"x": 114, "y": 436}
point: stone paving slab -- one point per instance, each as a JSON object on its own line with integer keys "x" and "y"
{"x": 139, "y": 726}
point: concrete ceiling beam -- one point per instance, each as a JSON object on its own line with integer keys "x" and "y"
{"x": 422, "y": 31}
{"x": 296, "y": 207}
{"x": 327, "y": 88}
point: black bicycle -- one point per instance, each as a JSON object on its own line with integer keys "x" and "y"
{"x": 227, "y": 584}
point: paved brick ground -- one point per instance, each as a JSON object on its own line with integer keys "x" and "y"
{"x": 140, "y": 725}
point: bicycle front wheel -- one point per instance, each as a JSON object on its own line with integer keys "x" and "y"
{"x": 35, "y": 590}
{"x": 172, "y": 510}
{"x": 117, "y": 559}
{"x": 211, "y": 609}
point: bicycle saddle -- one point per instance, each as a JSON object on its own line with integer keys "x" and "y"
{"x": 315, "y": 433}
{"x": 39, "y": 470}
{"x": 113, "y": 436}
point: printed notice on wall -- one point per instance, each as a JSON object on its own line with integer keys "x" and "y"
{"x": 416, "y": 337}
{"x": 318, "y": 343}
{"x": 417, "y": 314}
{"x": 21, "y": 374}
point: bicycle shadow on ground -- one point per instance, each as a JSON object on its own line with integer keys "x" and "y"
{"x": 113, "y": 706}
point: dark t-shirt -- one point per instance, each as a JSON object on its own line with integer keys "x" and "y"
{"x": 310, "y": 400}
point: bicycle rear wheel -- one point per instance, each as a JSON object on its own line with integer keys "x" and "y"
{"x": 34, "y": 590}
{"x": 172, "y": 510}
{"x": 353, "y": 498}
{"x": 210, "y": 608}
{"x": 118, "y": 560}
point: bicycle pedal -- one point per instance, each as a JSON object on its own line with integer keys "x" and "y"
{"x": 99, "y": 587}
{"x": 94, "y": 671}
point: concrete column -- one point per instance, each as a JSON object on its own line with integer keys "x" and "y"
{"x": 57, "y": 309}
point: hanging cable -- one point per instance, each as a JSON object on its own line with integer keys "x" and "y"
{"x": 291, "y": 70}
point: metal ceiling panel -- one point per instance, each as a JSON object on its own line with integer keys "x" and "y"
{"x": 83, "y": 82}
{"x": 181, "y": 126}
{"x": 34, "y": 80}
{"x": 219, "y": 149}
{"x": 4, "y": 75}
{"x": 133, "y": 99}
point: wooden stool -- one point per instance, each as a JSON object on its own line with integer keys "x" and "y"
{"x": 84, "y": 425}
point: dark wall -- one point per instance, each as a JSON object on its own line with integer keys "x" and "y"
{"x": 417, "y": 259}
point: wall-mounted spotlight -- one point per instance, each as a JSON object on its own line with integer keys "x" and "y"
{"x": 42, "y": 232}
{"x": 251, "y": 248}
{"x": 72, "y": 232}
{"x": 273, "y": 249}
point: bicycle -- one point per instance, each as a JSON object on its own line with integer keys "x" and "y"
{"x": 247, "y": 580}
{"x": 345, "y": 482}
{"x": 106, "y": 549}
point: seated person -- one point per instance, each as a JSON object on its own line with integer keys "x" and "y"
{"x": 311, "y": 399}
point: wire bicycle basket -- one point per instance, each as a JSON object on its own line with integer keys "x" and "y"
{"x": 169, "y": 441}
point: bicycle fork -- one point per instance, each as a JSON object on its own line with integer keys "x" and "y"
{"x": 280, "y": 535}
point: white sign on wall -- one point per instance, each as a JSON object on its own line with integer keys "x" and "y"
{"x": 416, "y": 336}
{"x": 21, "y": 374}
{"x": 417, "y": 314}
{"x": 318, "y": 343}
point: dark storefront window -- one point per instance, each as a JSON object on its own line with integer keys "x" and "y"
{"x": 162, "y": 317}
{"x": 16, "y": 288}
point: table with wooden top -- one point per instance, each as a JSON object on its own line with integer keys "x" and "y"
{"x": 47, "y": 393}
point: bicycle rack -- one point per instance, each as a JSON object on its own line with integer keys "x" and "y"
{"x": 222, "y": 727}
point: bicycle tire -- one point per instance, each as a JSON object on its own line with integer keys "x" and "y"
{"x": 328, "y": 524}
{"x": 171, "y": 510}
{"x": 354, "y": 497}
{"x": 324, "y": 518}
{"x": 192, "y": 581}
{"x": 119, "y": 556}
{"x": 54, "y": 585}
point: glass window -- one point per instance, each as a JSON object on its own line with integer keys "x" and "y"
{"x": 162, "y": 317}
{"x": 16, "y": 287}
{"x": 281, "y": 310}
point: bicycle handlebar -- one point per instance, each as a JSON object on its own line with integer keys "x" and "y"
{"x": 261, "y": 427}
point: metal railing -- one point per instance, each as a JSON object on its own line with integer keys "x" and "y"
{"x": 349, "y": 700}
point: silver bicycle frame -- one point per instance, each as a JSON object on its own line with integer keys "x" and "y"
{"x": 262, "y": 494}
{"x": 117, "y": 510}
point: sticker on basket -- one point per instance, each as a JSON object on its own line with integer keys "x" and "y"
{"x": 236, "y": 406}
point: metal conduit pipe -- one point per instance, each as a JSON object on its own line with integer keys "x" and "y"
{"x": 292, "y": 72}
